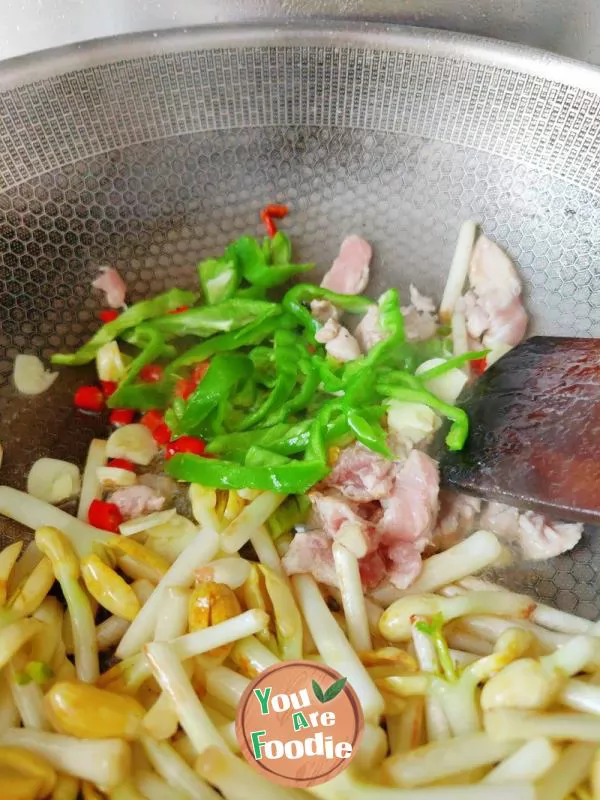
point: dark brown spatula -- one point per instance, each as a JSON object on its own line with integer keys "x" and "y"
{"x": 534, "y": 439}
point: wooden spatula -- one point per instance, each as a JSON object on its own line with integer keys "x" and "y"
{"x": 534, "y": 439}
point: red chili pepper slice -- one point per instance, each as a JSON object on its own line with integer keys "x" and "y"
{"x": 478, "y": 365}
{"x": 179, "y": 310}
{"x": 185, "y": 444}
{"x": 108, "y": 387}
{"x": 89, "y": 398}
{"x": 185, "y": 387}
{"x": 121, "y": 416}
{"x": 161, "y": 434}
{"x": 106, "y": 516}
{"x": 152, "y": 419}
{"x": 267, "y": 221}
{"x": 277, "y": 210}
{"x": 108, "y": 315}
{"x": 151, "y": 373}
{"x": 121, "y": 463}
{"x": 200, "y": 371}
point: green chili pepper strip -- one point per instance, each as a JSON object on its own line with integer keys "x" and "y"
{"x": 251, "y": 334}
{"x": 260, "y": 457}
{"x": 134, "y": 315}
{"x": 286, "y": 366}
{"x": 302, "y": 398}
{"x": 133, "y": 338}
{"x": 255, "y": 265}
{"x": 219, "y": 279}
{"x": 304, "y": 292}
{"x": 331, "y": 381}
{"x": 294, "y": 478}
{"x": 392, "y": 324}
{"x": 401, "y": 376}
{"x": 143, "y": 396}
{"x": 368, "y": 434}
{"x": 222, "y": 378}
{"x": 451, "y": 363}
{"x": 459, "y": 430}
{"x": 230, "y": 315}
{"x": 281, "y": 438}
{"x": 316, "y": 444}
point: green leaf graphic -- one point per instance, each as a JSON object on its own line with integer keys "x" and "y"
{"x": 334, "y": 689}
{"x": 318, "y": 692}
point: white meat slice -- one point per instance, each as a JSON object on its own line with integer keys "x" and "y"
{"x": 420, "y": 319}
{"x": 112, "y": 284}
{"x": 403, "y": 562}
{"x": 341, "y": 522}
{"x": 500, "y": 519}
{"x": 410, "y": 512}
{"x": 361, "y": 475}
{"x": 368, "y": 332}
{"x": 323, "y": 311}
{"x": 421, "y": 302}
{"x": 136, "y": 501}
{"x": 541, "y": 539}
{"x": 493, "y": 305}
{"x": 311, "y": 552}
{"x": 349, "y": 273}
{"x": 338, "y": 341}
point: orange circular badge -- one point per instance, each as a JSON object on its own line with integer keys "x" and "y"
{"x": 299, "y": 723}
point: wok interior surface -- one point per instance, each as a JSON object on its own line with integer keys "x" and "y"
{"x": 157, "y": 155}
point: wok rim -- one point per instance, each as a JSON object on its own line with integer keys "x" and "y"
{"x": 46, "y": 64}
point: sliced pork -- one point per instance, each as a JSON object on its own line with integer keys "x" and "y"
{"x": 361, "y": 475}
{"x": 420, "y": 319}
{"x": 323, "y": 311}
{"x": 500, "y": 519}
{"x": 112, "y": 284}
{"x": 338, "y": 341}
{"x": 340, "y": 521}
{"x": 311, "y": 552}
{"x": 410, "y": 512}
{"x": 540, "y": 538}
{"x": 349, "y": 273}
{"x": 493, "y": 305}
{"x": 136, "y": 501}
{"x": 369, "y": 332}
{"x": 402, "y": 563}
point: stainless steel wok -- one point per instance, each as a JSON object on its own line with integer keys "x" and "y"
{"x": 152, "y": 152}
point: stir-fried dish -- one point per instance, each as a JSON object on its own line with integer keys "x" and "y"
{"x": 268, "y": 491}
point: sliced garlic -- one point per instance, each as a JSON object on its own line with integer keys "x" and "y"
{"x": 109, "y": 363}
{"x": 53, "y": 480}
{"x": 133, "y": 442}
{"x": 112, "y": 477}
{"x": 30, "y": 376}
{"x": 447, "y": 386}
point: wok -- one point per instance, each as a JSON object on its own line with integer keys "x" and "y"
{"x": 152, "y": 152}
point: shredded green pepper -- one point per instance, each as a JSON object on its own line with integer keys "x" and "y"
{"x": 219, "y": 278}
{"x": 297, "y": 477}
{"x": 265, "y": 269}
{"x": 134, "y": 315}
{"x": 142, "y": 396}
{"x": 230, "y": 315}
{"x": 225, "y": 373}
